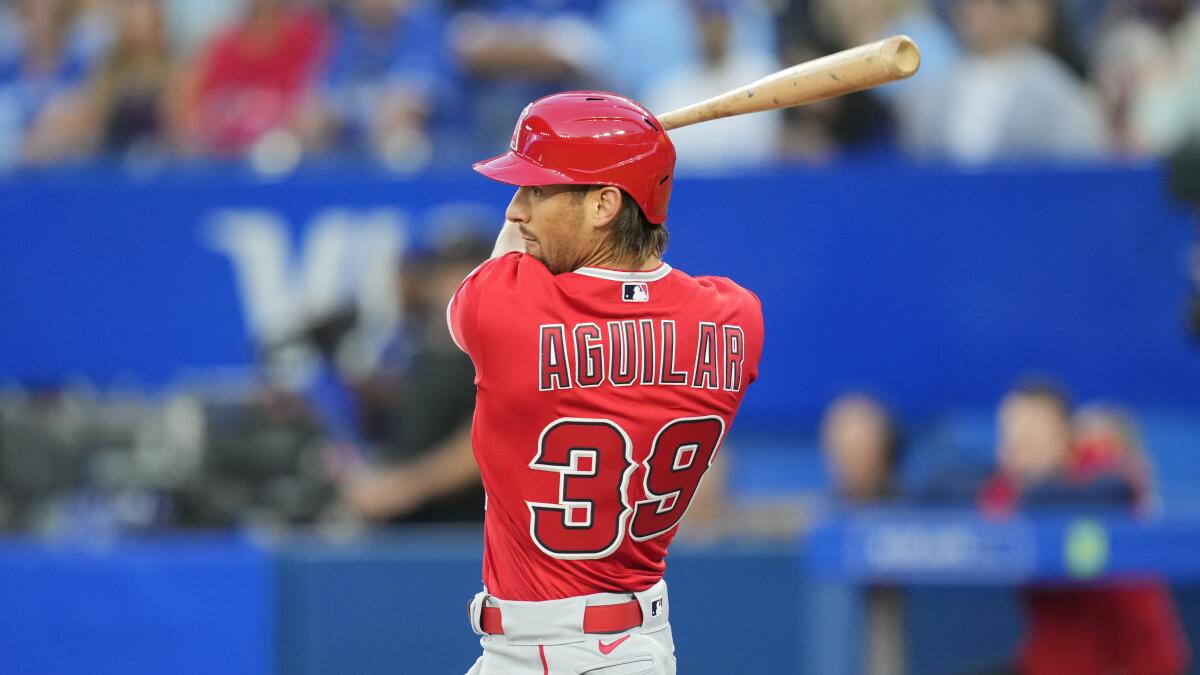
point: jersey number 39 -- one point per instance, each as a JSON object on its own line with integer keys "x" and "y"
{"x": 594, "y": 462}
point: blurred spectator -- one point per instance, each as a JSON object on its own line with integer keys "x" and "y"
{"x": 1148, "y": 70}
{"x": 92, "y": 29}
{"x": 387, "y": 70}
{"x": 1045, "y": 23}
{"x": 814, "y": 28}
{"x": 38, "y": 77}
{"x": 251, "y": 79}
{"x": 123, "y": 109}
{"x": 1107, "y": 441}
{"x": 1043, "y": 463}
{"x": 8, "y": 30}
{"x": 1007, "y": 99}
{"x": 862, "y": 445}
{"x": 190, "y": 23}
{"x": 1034, "y": 424}
{"x": 425, "y": 469}
{"x": 515, "y": 51}
{"x": 1127, "y": 628}
{"x": 646, "y": 39}
{"x": 734, "y": 141}
{"x": 848, "y": 23}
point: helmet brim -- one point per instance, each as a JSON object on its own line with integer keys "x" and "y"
{"x": 514, "y": 169}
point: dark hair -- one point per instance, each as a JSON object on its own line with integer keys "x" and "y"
{"x": 634, "y": 236}
{"x": 1044, "y": 389}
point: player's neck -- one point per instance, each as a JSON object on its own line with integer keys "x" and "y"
{"x": 624, "y": 264}
{"x": 607, "y": 256}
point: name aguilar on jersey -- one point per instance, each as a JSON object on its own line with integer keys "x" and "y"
{"x": 639, "y": 351}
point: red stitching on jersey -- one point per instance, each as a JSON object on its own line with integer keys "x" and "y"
{"x": 545, "y": 665}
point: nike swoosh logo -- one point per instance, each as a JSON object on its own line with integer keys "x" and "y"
{"x": 606, "y": 649}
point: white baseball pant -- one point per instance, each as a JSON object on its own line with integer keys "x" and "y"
{"x": 547, "y": 638}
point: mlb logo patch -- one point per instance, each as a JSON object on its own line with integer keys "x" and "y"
{"x": 636, "y": 293}
{"x": 656, "y": 607}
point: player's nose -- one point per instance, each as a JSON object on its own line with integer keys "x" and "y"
{"x": 518, "y": 208}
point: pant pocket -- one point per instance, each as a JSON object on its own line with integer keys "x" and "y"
{"x": 636, "y": 667}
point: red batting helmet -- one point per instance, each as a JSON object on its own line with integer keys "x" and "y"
{"x": 590, "y": 138}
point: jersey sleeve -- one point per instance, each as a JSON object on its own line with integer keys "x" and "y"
{"x": 748, "y": 316}
{"x": 462, "y": 313}
{"x": 755, "y": 327}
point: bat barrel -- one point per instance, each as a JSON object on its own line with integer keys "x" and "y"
{"x": 855, "y": 69}
{"x": 902, "y": 54}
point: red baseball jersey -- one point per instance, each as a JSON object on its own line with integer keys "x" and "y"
{"x": 603, "y": 398}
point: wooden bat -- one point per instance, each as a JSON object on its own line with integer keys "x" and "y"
{"x": 854, "y": 69}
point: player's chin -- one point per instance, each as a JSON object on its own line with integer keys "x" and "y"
{"x": 540, "y": 257}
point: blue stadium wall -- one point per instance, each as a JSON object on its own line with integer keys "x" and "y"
{"x": 397, "y": 605}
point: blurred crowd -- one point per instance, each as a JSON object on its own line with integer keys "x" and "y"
{"x": 1050, "y": 456}
{"x": 1048, "y": 453}
{"x": 413, "y": 84}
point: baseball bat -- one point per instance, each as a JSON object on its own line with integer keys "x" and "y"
{"x": 848, "y": 71}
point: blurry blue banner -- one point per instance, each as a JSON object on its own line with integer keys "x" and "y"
{"x": 922, "y": 547}
{"x": 933, "y": 287}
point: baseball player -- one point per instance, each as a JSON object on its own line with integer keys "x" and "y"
{"x": 606, "y": 383}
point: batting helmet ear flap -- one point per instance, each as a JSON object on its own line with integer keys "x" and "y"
{"x": 590, "y": 138}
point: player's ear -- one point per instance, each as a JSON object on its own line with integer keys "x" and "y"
{"x": 604, "y": 205}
